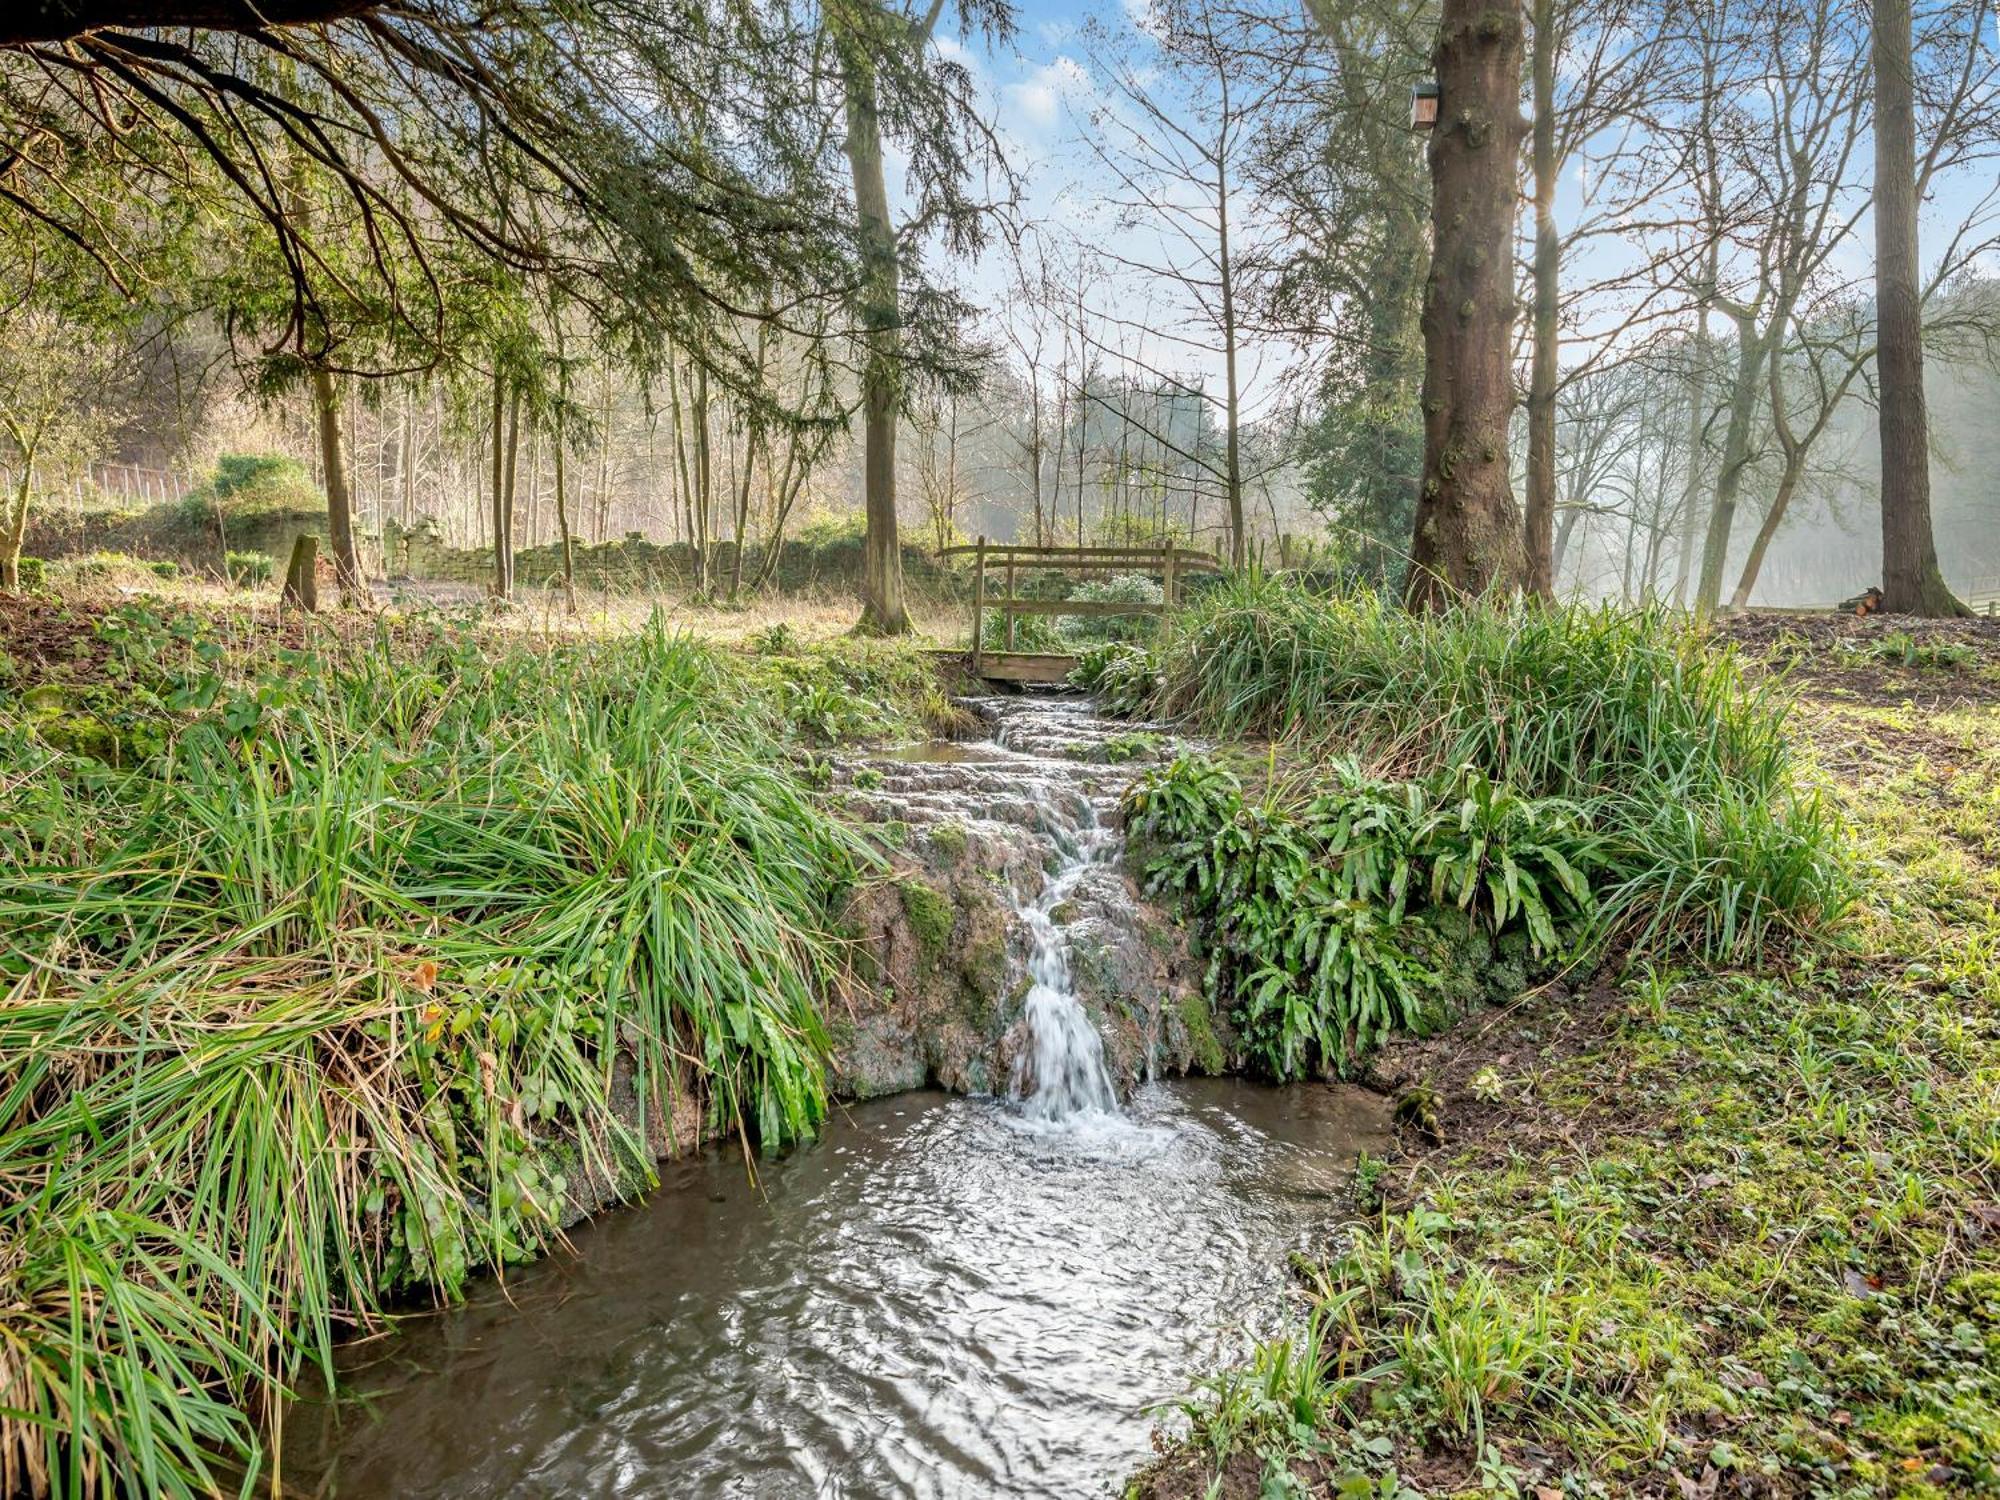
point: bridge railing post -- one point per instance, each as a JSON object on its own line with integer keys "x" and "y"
{"x": 978, "y": 603}
{"x": 1009, "y": 606}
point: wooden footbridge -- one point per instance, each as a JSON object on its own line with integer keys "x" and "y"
{"x": 1005, "y": 562}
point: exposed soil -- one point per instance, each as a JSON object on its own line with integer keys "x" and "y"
{"x": 1880, "y": 660}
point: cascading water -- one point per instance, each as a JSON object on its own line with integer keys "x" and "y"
{"x": 1061, "y": 1076}
{"x": 944, "y": 1296}
{"x": 1062, "y": 1073}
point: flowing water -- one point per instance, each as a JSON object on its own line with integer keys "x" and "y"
{"x": 942, "y": 1296}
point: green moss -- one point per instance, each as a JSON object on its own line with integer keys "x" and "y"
{"x": 1205, "y": 1054}
{"x": 1121, "y": 748}
{"x": 949, "y": 840}
{"x": 930, "y": 915}
{"x": 984, "y": 968}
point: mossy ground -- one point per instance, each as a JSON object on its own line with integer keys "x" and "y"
{"x": 1692, "y": 1233}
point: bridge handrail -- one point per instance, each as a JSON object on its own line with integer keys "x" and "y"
{"x": 1024, "y": 554}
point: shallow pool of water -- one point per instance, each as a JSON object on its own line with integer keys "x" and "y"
{"x": 938, "y": 1298}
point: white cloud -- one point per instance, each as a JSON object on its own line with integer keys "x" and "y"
{"x": 1036, "y": 101}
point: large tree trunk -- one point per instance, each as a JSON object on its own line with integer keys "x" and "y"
{"x": 882, "y": 609}
{"x": 1541, "y": 507}
{"x": 339, "y": 499}
{"x": 1468, "y": 532}
{"x": 1911, "y": 582}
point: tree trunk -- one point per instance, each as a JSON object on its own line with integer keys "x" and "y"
{"x": 16, "y": 532}
{"x": 1233, "y": 470}
{"x": 1468, "y": 531}
{"x": 704, "y": 481}
{"x": 750, "y": 441}
{"x": 882, "y": 608}
{"x": 562, "y": 521}
{"x": 1751, "y": 350}
{"x": 1541, "y": 507}
{"x": 1788, "y": 483}
{"x": 339, "y": 500}
{"x": 1561, "y": 548}
{"x": 503, "y": 551}
{"x": 1911, "y": 581}
{"x": 1696, "y": 433}
{"x": 601, "y": 511}
{"x": 499, "y": 495}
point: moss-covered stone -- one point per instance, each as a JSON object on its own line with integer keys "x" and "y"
{"x": 948, "y": 839}
{"x": 931, "y": 916}
{"x": 1205, "y": 1052}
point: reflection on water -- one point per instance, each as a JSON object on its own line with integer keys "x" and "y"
{"x": 941, "y": 1297}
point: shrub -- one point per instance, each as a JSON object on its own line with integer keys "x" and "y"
{"x": 97, "y": 567}
{"x": 1126, "y": 588}
{"x": 34, "y": 572}
{"x": 249, "y": 570}
{"x": 1122, "y": 677}
{"x": 1705, "y": 831}
{"x": 1315, "y": 903}
{"x": 246, "y": 482}
{"x": 1031, "y": 633}
{"x": 164, "y": 567}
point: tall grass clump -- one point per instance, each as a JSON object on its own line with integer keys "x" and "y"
{"x": 340, "y": 993}
{"x": 1680, "y": 764}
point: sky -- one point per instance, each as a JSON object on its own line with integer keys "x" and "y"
{"x": 1047, "y": 88}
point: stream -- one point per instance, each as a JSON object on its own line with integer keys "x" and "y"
{"x": 941, "y": 1296}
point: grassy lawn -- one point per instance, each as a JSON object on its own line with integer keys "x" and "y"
{"x": 1685, "y": 1230}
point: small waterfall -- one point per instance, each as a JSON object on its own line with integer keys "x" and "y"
{"x": 1036, "y": 776}
{"x": 1064, "y": 1061}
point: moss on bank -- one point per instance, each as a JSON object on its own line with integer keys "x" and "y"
{"x": 930, "y": 914}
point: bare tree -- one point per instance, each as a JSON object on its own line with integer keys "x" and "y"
{"x": 50, "y": 367}
{"x": 1177, "y": 141}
